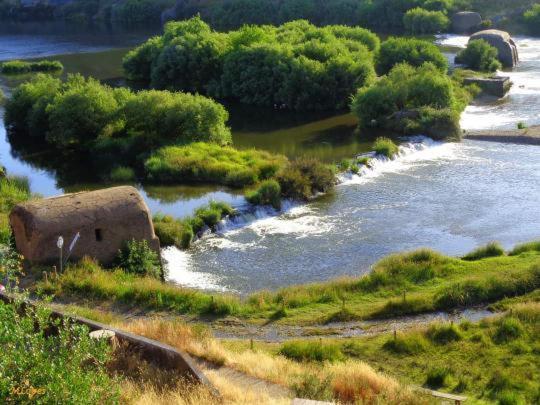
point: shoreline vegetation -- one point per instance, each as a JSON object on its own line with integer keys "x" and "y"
{"x": 18, "y": 67}
{"x": 383, "y": 16}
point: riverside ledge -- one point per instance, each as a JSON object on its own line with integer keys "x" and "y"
{"x": 526, "y": 136}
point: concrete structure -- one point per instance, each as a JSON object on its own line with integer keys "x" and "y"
{"x": 508, "y": 53}
{"x": 495, "y": 86}
{"x": 105, "y": 219}
{"x": 465, "y": 22}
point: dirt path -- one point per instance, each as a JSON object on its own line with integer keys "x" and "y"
{"x": 233, "y": 328}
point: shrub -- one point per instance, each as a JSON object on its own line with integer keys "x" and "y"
{"x": 138, "y": 258}
{"x": 421, "y": 21}
{"x": 311, "y": 351}
{"x": 526, "y": 247}
{"x": 408, "y": 344}
{"x": 173, "y": 232}
{"x": 21, "y": 67}
{"x": 13, "y": 190}
{"x": 492, "y": 249}
{"x": 122, "y": 174}
{"x": 67, "y": 366}
{"x": 479, "y": 55}
{"x": 521, "y": 125}
{"x": 437, "y": 377}
{"x": 385, "y": 147}
{"x": 139, "y": 11}
{"x": 310, "y": 386}
{"x": 268, "y": 193}
{"x": 414, "y": 52}
{"x": 532, "y": 19}
{"x": 508, "y": 329}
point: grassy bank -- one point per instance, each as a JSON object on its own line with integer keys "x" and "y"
{"x": 401, "y": 284}
{"x": 493, "y": 361}
{"x": 17, "y": 67}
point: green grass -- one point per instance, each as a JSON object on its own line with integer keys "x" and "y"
{"x": 311, "y": 351}
{"x": 13, "y": 190}
{"x": 525, "y": 247}
{"x": 20, "y": 67}
{"x": 385, "y": 147}
{"x": 208, "y": 163}
{"x": 493, "y": 361}
{"x": 408, "y": 283}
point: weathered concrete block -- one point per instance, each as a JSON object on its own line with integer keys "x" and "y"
{"x": 495, "y": 86}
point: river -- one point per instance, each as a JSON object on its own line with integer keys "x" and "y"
{"x": 447, "y": 196}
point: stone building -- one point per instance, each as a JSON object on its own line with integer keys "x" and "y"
{"x": 105, "y": 220}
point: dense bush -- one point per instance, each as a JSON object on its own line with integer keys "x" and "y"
{"x": 421, "y": 21}
{"x": 207, "y": 163}
{"x": 412, "y": 51}
{"x": 296, "y": 66}
{"x": 40, "y": 367}
{"x": 532, "y": 19}
{"x": 20, "y": 67}
{"x": 479, "y": 55}
{"x": 412, "y": 101}
{"x": 136, "y": 257}
{"x": 311, "y": 351}
{"x": 84, "y": 114}
{"x": 122, "y": 174}
{"x": 492, "y": 249}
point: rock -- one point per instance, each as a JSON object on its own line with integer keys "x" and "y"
{"x": 495, "y": 86}
{"x": 465, "y": 21}
{"x": 508, "y": 53}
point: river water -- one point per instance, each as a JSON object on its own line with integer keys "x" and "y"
{"x": 450, "y": 197}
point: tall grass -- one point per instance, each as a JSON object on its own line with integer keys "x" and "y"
{"x": 21, "y": 67}
{"x": 525, "y": 247}
{"x": 492, "y": 249}
{"x": 209, "y": 163}
{"x": 385, "y": 147}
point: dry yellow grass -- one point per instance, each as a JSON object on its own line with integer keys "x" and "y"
{"x": 351, "y": 381}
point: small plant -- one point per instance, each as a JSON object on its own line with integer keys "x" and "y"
{"x": 138, "y": 258}
{"x": 311, "y": 351}
{"x": 122, "y": 174}
{"x": 385, "y": 147}
{"x": 492, "y": 249}
{"x": 479, "y": 55}
{"x": 521, "y": 125}
{"x": 311, "y": 386}
{"x": 408, "y": 344}
{"x": 268, "y": 193}
{"x": 437, "y": 377}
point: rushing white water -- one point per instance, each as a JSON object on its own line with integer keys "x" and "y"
{"x": 447, "y": 196}
{"x": 522, "y": 103}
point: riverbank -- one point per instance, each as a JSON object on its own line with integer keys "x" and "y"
{"x": 526, "y": 136}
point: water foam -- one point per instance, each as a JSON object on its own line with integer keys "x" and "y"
{"x": 416, "y": 150}
{"x": 178, "y": 264}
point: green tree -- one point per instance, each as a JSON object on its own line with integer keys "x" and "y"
{"x": 532, "y": 19}
{"x": 421, "y": 21}
{"x": 81, "y": 112}
{"x": 413, "y": 51}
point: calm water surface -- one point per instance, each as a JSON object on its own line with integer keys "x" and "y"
{"x": 450, "y": 197}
